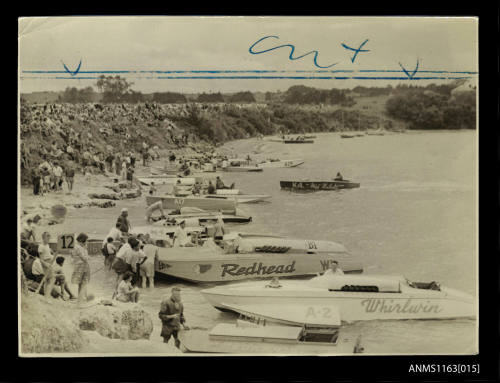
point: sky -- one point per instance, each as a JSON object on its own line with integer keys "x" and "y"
{"x": 223, "y": 43}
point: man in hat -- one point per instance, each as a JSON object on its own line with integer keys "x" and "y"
{"x": 172, "y": 316}
{"x": 124, "y": 221}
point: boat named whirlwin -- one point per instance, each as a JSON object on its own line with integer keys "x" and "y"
{"x": 357, "y": 297}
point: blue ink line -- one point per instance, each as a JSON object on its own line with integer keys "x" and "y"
{"x": 262, "y": 77}
{"x": 292, "y": 49}
{"x": 247, "y": 71}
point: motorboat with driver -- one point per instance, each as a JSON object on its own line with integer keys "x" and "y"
{"x": 357, "y": 297}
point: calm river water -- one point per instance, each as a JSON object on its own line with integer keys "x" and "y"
{"x": 413, "y": 215}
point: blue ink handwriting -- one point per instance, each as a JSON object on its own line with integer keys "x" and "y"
{"x": 408, "y": 73}
{"x": 292, "y": 50}
{"x": 356, "y": 50}
{"x": 75, "y": 72}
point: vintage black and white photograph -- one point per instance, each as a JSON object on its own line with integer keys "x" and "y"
{"x": 249, "y": 185}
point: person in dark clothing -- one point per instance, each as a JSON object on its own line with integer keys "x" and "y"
{"x": 172, "y": 316}
{"x": 211, "y": 188}
{"x": 36, "y": 182}
{"x": 123, "y": 221}
{"x": 339, "y": 177}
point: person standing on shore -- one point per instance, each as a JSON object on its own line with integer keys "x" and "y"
{"x": 124, "y": 222}
{"x": 147, "y": 269}
{"x": 70, "y": 176}
{"x": 58, "y": 172}
{"x": 81, "y": 271}
{"x": 172, "y": 316}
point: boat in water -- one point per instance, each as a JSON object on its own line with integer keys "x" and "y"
{"x": 253, "y": 335}
{"x": 318, "y": 185}
{"x": 241, "y": 198}
{"x": 280, "y": 163}
{"x": 226, "y": 206}
{"x": 242, "y": 169}
{"x": 347, "y": 135}
{"x": 299, "y": 141}
{"x": 356, "y": 296}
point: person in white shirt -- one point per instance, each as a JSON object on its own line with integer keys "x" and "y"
{"x": 114, "y": 233}
{"x": 58, "y": 172}
{"x": 147, "y": 269}
{"x": 334, "y": 269}
{"x": 45, "y": 253}
{"x": 37, "y": 270}
{"x": 181, "y": 238}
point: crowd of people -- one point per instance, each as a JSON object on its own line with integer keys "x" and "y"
{"x": 88, "y": 138}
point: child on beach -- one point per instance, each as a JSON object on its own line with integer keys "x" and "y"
{"x": 125, "y": 291}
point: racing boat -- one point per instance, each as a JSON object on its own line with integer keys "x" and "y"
{"x": 210, "y": 263}
{"x": 241, "y": 198}
{"x": 280, "y": 163}
{"x": 318, "y": 185}
{"x": 356, "y": 296}
{"x": 248, "y": 243}
{"x": 242, "y": 169}
{"x": 226, "y": 206}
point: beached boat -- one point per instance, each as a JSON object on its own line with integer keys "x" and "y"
{"x": 228, "y": 192}
{"x": 256, "y": 336}
{"x": 226, "y": 206}
{"x": 378, "y": 132}
{"x": 280, "y": 163}
{"x": 298, "y": 141}
{"x": 202, "y": 218}
{"x": 210, "y": 263}
{"x": 248, "y": 243}
{"x": 167, "y": 180}
{"x": 318, "y": 185}
{"x": 241, "y": 198}
{"x": 357, "y": 297}
{"x": 242, "y": 169}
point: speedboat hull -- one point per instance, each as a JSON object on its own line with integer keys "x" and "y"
{"x": 407, "y": 303}
{"x": 227, "y": 206}
{"x": 318, "y": 185}
{"x": 281, "y": 164}
{"x": 212, "y": 265}
{"x": 242, "y": 169}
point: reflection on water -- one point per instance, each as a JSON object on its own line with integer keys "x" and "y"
{"x": 413, "y": 215}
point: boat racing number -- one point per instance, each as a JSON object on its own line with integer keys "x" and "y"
{"x": 311, "y": 245}
{"x": 65, "y": 241}
{"x": 179, "y": 201}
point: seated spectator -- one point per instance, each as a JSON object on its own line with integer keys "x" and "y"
{"x": 55, "y": 277}
{"x": 125, "y": 291}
